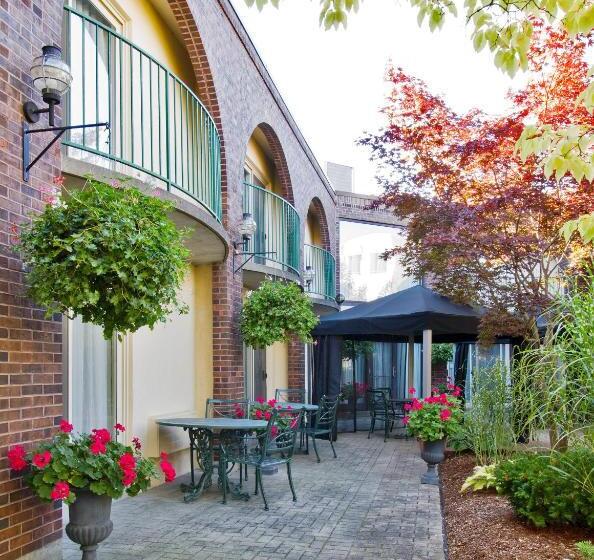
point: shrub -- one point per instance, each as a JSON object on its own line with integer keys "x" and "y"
{"x": 110, "y": 255}
{"x": 586, "y": 549}
{"x": 487, "y": 422}
{"x": 275, "y": 312}
{"x": 442, "y": 352}
{"x": 482, "y": 478}
{"x": 540, "y": 491}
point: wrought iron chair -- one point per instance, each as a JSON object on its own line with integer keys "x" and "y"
{"x": 324, "y": 423}
{"x": 273, "y": 446}
{"x": 290, "y": 395}
{"x": 381, "y": 408}
{"x": 228, "y": 408}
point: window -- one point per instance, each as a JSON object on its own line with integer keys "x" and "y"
{"x": 378, "y": 265}
{"x": 92, "y": 379}
{"x": 354, "y": 264}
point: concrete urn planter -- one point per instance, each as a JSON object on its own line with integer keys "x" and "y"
{"x": 90, "y": 522}
{"x": 433, "y": 453}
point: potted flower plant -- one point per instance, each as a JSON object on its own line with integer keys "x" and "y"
{"x": 87, "y": 471}
{"x": 431, "y": 421}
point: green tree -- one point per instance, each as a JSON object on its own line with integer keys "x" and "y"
{"x": 506, "y": 28}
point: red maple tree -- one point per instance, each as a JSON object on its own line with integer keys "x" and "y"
{"x": 482, "y": 225}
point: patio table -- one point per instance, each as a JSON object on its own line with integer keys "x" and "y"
{"x": 310, "y": 409}
{"x": 202, "y": 432}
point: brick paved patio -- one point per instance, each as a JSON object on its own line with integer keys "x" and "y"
{"x": 366, "y": 504}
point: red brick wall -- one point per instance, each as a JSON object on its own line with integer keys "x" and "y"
{"x": 30, "y": 345}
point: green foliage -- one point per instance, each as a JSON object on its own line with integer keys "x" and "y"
{"x": 487, "y": 422}
{"x": 482, "y": 478}
{"x": 442, "y": 353}
{"x": 275, "y": 312}
{"x": 540, "y": 492}
{"x": 586, "y": 549}
{"x": 353, "y": 348}
{"x": 434, "y": 418}
{"x": 553, "y": 385}
{"x": 109, "y": 255}
{"x": 73, "y": 462}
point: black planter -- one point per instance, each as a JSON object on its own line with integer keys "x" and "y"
{"x": 90, "y": 522}
{"x": 433, "y": 453}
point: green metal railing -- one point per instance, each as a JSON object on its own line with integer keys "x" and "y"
{"x": 158, "y": 126}
{"x": 278, "y": 228}
{"x": 323, "y": 265}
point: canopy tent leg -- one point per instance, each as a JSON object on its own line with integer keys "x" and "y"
{"x": 410, "y": 355}
{"x": 427, "y": 341}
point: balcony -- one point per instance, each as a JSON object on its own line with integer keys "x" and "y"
{"x": 278, "y": 233}
{"x": 323, "y": 265}
{"x": 160, "y": 133}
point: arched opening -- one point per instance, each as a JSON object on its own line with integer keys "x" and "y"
{"x": 316, "y": 228}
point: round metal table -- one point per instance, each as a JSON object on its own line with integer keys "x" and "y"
{"x": 201, "y": 432}
{"x": 296, "y": 406}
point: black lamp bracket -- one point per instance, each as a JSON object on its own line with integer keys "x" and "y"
{"x": 58, "y": 130}
{"x": 249, "y": 254}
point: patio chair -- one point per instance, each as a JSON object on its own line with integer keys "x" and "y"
{"x": 290, "y": 395}
{"x": 272, "y": 447}
{"x": 228, "y": 408}
{"x": 324, "y": 423}
{"x": 380, "y": 408}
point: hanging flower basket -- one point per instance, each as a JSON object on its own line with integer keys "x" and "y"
{"x": 107, "y": 253}
{"x": 275, "y": 312}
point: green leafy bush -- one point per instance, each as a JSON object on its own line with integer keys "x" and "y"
{"x": 586, "y": 549}
{"x": 275, "y": 312}
{"x": 110, "y": 255}
{"x": 442, "y": 352}
{"x": 540, "y": 491}
{"x": 482, "y": 478}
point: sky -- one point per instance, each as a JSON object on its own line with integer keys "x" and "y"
{"x": 333, "y": 81}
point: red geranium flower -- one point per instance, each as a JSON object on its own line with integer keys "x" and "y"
{"x": 127, "y": 462}
{"x": 258, "y": 414}
{"x": 271, "y": 403}
{"x": 412, "y": 391}
{"x": 167, "y": 468}
{"x": 119, "y": 428}
{"x": 406, "y": 420}
{"x": 16, "y": 458}
{"x": 260, "y": 400}
{"x": 61, "y": 491}
{"x": 267, "y": 415}
{"x": 102, "y": 435}
{"x": 445, "y": 414}
{"x": 66, "y": 427}
{"x": 273, "y": 431}
{"x": 136, "y": 443}
{"x": 42, "y": 460}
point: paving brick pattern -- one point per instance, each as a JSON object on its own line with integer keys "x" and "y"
{"x": 367, "y": 504}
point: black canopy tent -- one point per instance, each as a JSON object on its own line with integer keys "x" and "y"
{"x": 416, "y": 314}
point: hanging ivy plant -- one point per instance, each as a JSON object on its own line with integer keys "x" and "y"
{"x": 109, "y": 254}
{"x": 442, "y": 352}
{"x": 275, "y": 312}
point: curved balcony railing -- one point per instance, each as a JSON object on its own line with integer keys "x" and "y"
{"x": 323, "y": 264}
{"x": 159, "y": 129}
{"x": 278, "y": 228}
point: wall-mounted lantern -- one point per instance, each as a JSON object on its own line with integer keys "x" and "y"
{"x": 52, "y": 77}
{"x": 339, "y": 299}
{"x": 308, "y": 276}
{"x": 247, "y": 229}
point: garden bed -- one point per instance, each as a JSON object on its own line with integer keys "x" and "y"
{"x": 483, "y": 525}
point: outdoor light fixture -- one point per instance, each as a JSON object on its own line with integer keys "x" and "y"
{"x": 247, "y": 229}
{"x": 339, "y": 299}
{"x": 52, "y": 77}
{"x": 308, "y": 276}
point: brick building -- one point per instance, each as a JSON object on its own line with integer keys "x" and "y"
{"x": 194, "y": 113}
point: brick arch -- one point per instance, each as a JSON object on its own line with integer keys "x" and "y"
{"x": 204, "y": 82}
{"x": 316, "y": 208}
{"x": 279, "y": 159}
